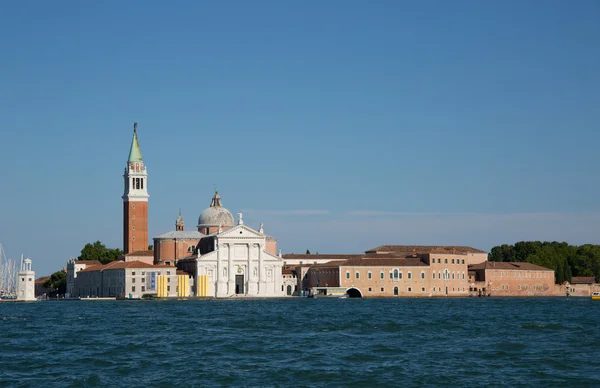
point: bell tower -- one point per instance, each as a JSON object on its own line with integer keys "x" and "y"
{"x": 135, "y": 200}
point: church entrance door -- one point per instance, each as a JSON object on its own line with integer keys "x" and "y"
{"x": 239, "y": 284}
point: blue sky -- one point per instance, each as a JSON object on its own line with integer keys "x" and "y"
{"x": 341, "y": 125}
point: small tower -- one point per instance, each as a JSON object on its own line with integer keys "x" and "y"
{"x": 179, "y": 223}
{"x": 26, "y": 282}
{"x": 135, "y": 200}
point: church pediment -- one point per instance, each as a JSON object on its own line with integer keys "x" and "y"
{"x": 240, "y": 231}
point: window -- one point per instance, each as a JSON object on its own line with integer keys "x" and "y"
{"x": 381, "y": 275}
{"x": 423, "y": 289}
{"x": 143, "y": 273}
{"x": 396, "y": 274}
{"x": 133, "y": 274}
{"x": 381, "y": 289}
{"x": 409, "y": 289}
{"x": 439, "y": 261}
{"x": 463, "y": 275}
{"x": 133, "y": 280}
{"x": 168, "y": 288}
{"x": 143, "y": 280}
{"x": 463, "y": 261}
{"x": 409, "y": 275}
{"x": 347, "y": 274}
{"x": 132, "y": 288}
{"x": 369, "y": 289}
{"x": 422, "y": 275}
{"x": 143, "y": 288}
{"x": 452, "y": 261}
{"x": 168, "y": 272}
{"x": 395, "y": 290}
{"x": 370, "y": 275}
{"x": 357, "y": 275}
{"x": 433, "y": 275}
{"x": 439, "y": 275}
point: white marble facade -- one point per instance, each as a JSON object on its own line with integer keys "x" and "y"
{"x": 237, "y": 263}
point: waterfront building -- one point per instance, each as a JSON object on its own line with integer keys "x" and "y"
{"x": 26, "y": 282}
{"x": 471, "y": 255}
{"x": 581, "y": 286}
{"x": 73, "y": 268}
{"x": 510, "y": 279}
{"x": 130, "y": 280}
{"x": 40, "y": 290}
{"x": 236, "y": 261}
{"x": 434, "y": 272}
{"x": 135, "y": 200}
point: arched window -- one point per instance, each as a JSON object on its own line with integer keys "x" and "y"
{"x": 433, "y": 275}
{"x": 396, "y": 290}
{"x": 395, "y": 274}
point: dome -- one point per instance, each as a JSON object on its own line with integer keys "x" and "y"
{"x": 216, "y": 215}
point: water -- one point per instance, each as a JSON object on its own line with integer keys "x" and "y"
{"x": 301, "y": 342}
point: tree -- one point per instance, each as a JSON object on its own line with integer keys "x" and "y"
{"x": 98, "y": 251}
{"x": 150, "y": 247}
{"x": 57, "y": 282}
{"x": 307, "y": 252}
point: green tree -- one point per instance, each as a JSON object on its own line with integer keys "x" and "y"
{"x": 98, "y": 251}
{"x": 307, "y": 252}
{"x": 57, "y": 282}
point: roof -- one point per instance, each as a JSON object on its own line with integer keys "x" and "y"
{"x": 309, "y": 257}
{"x": 123, "y": 265}
{"x": 583, "y": 280}
{"x": 181, "y": 234}
{"x": 386, "y": 262}
{"x": 135, "y": 154}
{"x": 438, "y": 249}
{"x": 88, "y": 262}
{"x": 140, "y": 253}
{"x": 523, "y": 266}
{"x": 42, "y": 279}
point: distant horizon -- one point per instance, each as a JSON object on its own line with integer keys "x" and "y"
{"x": 341, "y": 125}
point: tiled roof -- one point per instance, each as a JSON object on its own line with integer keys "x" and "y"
{"x": 583, "y": 280}
{"x": 88, "y": 262}
{"x": 181, "y": 234}
{"x": 122, "y": 264}
{"x": 42, "y": 279}
{"x": 140, "y": 253}
{"x": 508, "y": 266}
{"x": 437, "y": 249}
{"x": 334, "y": 263}
{"x": 386, "y": 262}
{"x": 309, "y": 257}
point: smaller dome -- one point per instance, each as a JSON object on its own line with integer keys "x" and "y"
{"x": 215, "y": 215}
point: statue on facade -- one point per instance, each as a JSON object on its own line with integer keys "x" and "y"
{"x": 260, "y": 230}
{"x": 240, "y": 220}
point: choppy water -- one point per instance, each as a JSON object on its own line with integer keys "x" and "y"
{"x": 302, "y": 342}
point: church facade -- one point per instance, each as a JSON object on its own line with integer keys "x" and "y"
{"x": 235, "y": 262}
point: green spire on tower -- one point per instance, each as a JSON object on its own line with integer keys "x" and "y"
{"x": 135, "y": 155}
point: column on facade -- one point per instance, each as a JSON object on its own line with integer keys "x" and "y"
{"x": 262, "y": 281}
{"x": 219, "y": 275}
{"x": 230, "y": 271}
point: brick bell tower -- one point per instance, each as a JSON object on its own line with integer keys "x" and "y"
{"x": 135, "y": 200}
